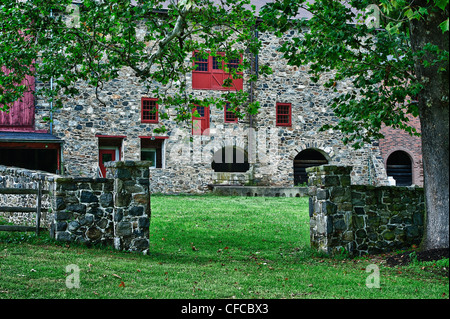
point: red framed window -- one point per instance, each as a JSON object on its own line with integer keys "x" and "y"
{"x": 109, "y": 149}
{"x": 211, "y": 72}
{"x": 200, "y": 125}
{"x": 284, "y": 114}
{"x": 149, "y": 110}
{"x": 230, "y": 117}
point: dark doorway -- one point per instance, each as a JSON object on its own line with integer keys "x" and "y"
{"x": 399, "y": 166}
{"x": 304, "y": 159}
{"x": 34, "y": 159}
{"x": 230, "y": 159}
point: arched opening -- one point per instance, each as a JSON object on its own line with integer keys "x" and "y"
{"x": 399, "y": 166}
{"x": 230, "y": 159}
{"x": 304, "y": 159}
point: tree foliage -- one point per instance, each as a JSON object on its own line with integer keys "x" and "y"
{"x": 375, "y": 55}
{"x": 92, "y": 42}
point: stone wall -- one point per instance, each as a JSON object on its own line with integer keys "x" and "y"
{"x": 132, "y": 210}
{"x": 83, "y": 210}
{"x": 253, "y": 191}
{"x": 113, "y": 211}
{"x": 362, "y": 219}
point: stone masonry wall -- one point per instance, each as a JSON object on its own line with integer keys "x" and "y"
{"x": 114, "y": 211}
{"x": 362, "y": 219}
{"x": 83, "y": 210}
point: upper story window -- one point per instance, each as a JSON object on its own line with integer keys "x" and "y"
{"x": 211, "y": 73}
{"x": 284, "y": 114}
{"x": 149, "y": 110}
{"x": 230, "y": 116}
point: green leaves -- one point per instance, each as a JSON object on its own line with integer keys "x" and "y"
{"x": 107, "y": 36}
{"x": 379, "y": 62}
{"x": 441, "y": 4}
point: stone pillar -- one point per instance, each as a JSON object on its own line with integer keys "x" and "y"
{"x": 330, "y": 209}
{"x": 131, "y": 204}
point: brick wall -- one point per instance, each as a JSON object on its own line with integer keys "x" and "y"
{"x": 399, "y": 140}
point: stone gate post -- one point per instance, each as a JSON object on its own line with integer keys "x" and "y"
{"x": 330, "y": 209}
{"x": 132, "y": 211}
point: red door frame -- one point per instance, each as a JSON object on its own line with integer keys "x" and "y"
{"x": 101, "y": 165}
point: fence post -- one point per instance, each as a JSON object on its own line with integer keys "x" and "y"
{"x": 330, "y": 209}
{"x": 131, "y": 204}
{"x": 38, "y": 207}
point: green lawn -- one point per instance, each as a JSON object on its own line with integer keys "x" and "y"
{"x": 208, "y": 247}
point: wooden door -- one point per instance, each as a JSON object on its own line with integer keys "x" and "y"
{"x": 21, "y": 112}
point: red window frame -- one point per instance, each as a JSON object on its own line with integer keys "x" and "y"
{"x": 209, "y": 75}
{"x": 149, "y": 110}
{"x": 229, "y": 116}
{"x": 200, "y": 125}
{"x": 284, "y": 114}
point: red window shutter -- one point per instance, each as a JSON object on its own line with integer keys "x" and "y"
{"x": 201, "y": 75}
{"x": 283, "y": 114}
{"x": 21, "y": 113}
{"x": 217, "y": 72}
{"x": 149, "y": 110}
{"x": 238, "y": 84}
{"x": 210, "y": 73}
{"x": 200, "y": 125}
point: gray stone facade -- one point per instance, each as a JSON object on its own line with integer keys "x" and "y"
{"x": 185, "y": 159}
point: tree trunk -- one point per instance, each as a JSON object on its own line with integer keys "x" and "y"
{"x": 434, "y": 121}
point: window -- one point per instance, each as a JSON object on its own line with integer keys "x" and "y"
{"x": 149, "y": 110}
{"x": 110, "y": 149}
{"x": 201, "y": 64}
{"x": 200, "y": 125}
{"x": 149, "y": 154}
{"x": 230, "y": 117}
{"x": 283, "y": 114}
{"x": 152, "y": 149}
{"x": 211, "y": 72}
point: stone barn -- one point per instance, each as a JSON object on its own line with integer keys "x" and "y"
{"x": 272, "y": 148}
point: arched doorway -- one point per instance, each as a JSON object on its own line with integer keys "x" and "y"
{"x": 399, "y": 166}
{"x": 304, "y": 159}
{"x": 230, "y": 159}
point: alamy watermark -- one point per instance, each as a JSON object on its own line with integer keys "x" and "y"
{"x": 73, "y": 277}
{"x": 260, "y": 146}
{"x": 373, "y": 280}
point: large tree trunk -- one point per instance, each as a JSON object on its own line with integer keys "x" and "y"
{"x": 434, "y": 120}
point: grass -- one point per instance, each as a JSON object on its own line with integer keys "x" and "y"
{"x": 208, "y": 247}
